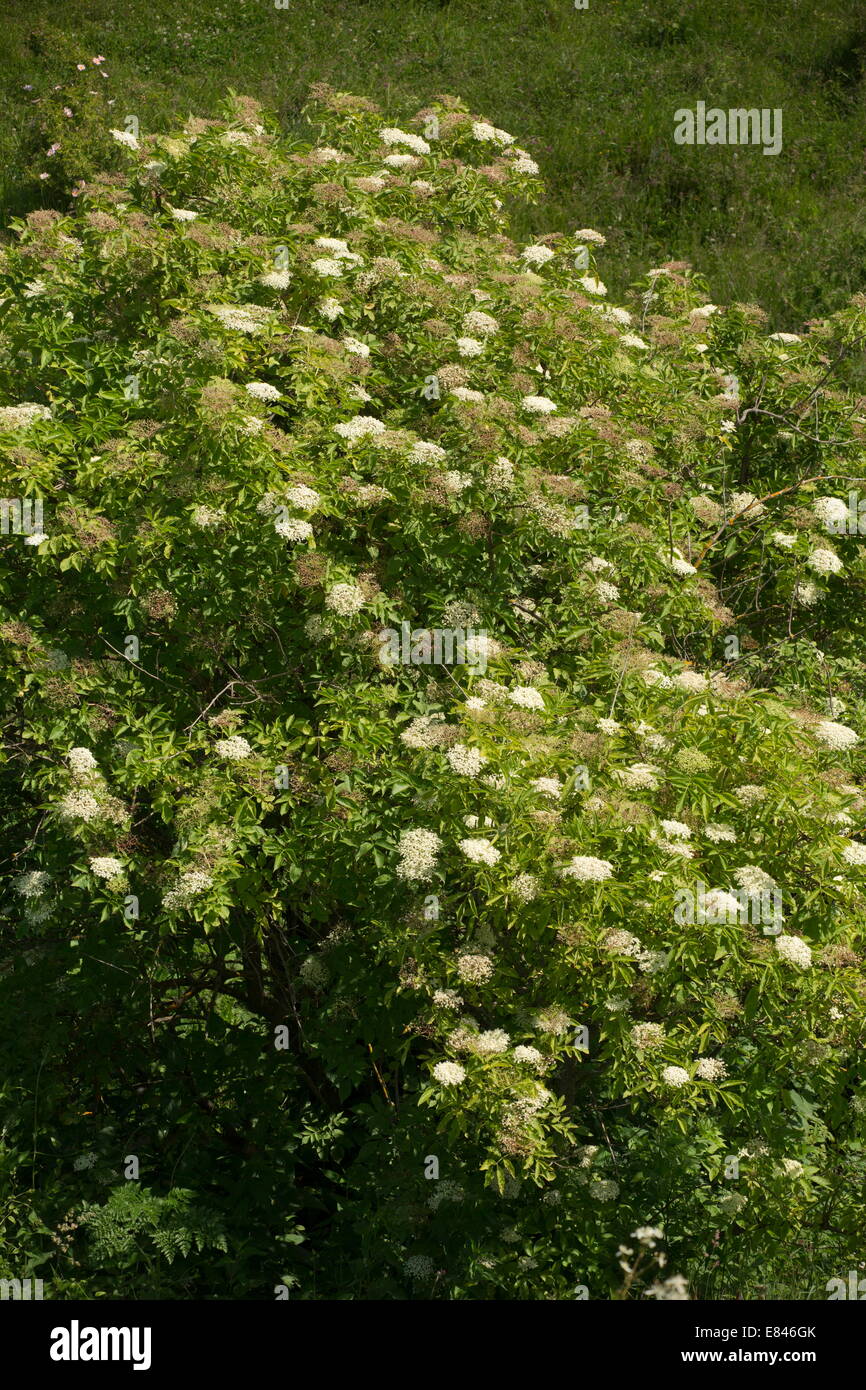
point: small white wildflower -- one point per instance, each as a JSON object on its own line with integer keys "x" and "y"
{"x": 345, "y": 599}
{"x": 794, "y": 950}
{"x": 480, "y": 852}
{"x": 417, "y": 850}
{"x": 276, "y": 279}
{"x": 263, "y": 391}
{"x": 125, "y": 137}
{"x": 293, "y": 529}
{"x": 835, "y": 735}
{"x": 359, "y": 428}
{"x": 588, "y": 869}
{"x": 824, "y": 561}
{"x": 538, "y": 405}
{"x": 468, "y": 762}
{"x": 710, "y": 1069}
{"x": 105, "y": 867}
{"x": 391, "y": 135}
{"x": 32, "y": 884}
{"x": 537, "y": 255}
{"x": 449, "y": 1073}
{"x": 676, "y": 829}
{"x": 720, "y": 832}
{"x": 832, "y": 512}
{"x": 233, "y": 749}
{"x": 675, "y": 1076}
{"x": 475, "y": 969}
{"x": 526, "y": 697}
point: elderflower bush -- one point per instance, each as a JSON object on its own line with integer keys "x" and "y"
{"x": 469, "y": 895}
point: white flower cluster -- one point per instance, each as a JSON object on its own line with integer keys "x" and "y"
{"x": 522, "y": 163}
{"x": 345, "y": 599}
{"x": 501, "y": 473}
{"x": 306, "y": 499}
{"x": 710, "y": 1069}
{"x": 824, "y": 561}
{"x": 526, "y": 697}
{"x": 32, "y": 884}
{"x": 417, "y": 850}
{"x": 588, "y": 869}
{"x": 530, "y": 1055}
{"x": 639, "y": 777}
{"x": 476, "y": 321}
{"x": 276, "y": 279}
{"x": 466, "y": 761}
{"x": 233, "y": 749}
{"x": 675, "y": 1077}
{"x": 22, "y": 416}
{"x": 293, "y": 528}
{"x": 525, "y": 887}
{"x": 79, "y": 805}
{"x": 754, "y": 880}
{"x": 425, "y": 731}
{"x": 620, "y": 942}
{"x": 832, "y": 512}
{"x": 391, "y": 135}
{"x": 836, "y": 736}
{"x": 423, "y": 451}
{"x": 81, "y": 762}
{"x": 480, "y": 851}
{"x": 338, "y": 248}
{"x": 263, "y": 391}
{"x": 537, "y": 255}
{"x": 490, "y": 134}
{"x": 676, "y": 829}
{"x": 191, "y": 884}
{"x": 242, "y": 318}
{"x": 449, "y": 1074}
{"x": 749, "y": 794}
{"x": 106, "y": 867}
{"x": 362, "y": 427}
{"x": 795, "y": 951}
{"x": 720, "y": 832}
{"x": 538, "y": 405}
{"x": 548, "y": 786}
{"x": 207, "y": 517}
{"x": 474, "y": 969}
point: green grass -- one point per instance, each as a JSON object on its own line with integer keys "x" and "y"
{"x": 591, "y": 93}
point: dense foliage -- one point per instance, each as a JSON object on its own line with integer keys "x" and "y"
{"x": 335, "y": 961}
